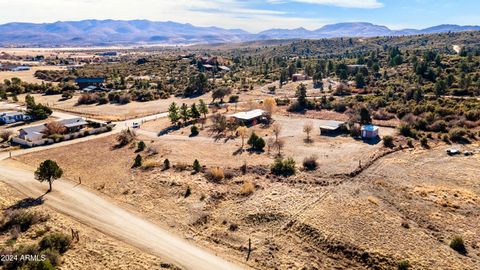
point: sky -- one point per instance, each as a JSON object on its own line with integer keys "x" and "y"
{"x": 250, "y": 15}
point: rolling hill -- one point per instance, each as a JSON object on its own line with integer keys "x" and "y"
{"x": 118, "y": 32}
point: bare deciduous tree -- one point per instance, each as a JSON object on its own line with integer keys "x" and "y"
{"x": 277, "y": 129}
{"x": 279, "y": 144}
{"x": 5, "y": 135}
{"x": 242, "y": 131}
{"x": 307, "y": 128}
{"x": 53, "y": 128}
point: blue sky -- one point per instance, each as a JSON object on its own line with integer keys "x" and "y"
{"x": 250, "y": 15}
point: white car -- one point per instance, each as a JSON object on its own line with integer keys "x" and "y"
{"x": 135, "y": 125}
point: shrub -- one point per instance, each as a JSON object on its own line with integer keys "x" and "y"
{"x": 339, "y": 107}
{"x": 138, "y": 161}
{"x": 247, "y": 188}
{"x": 410, "y": 142}
{"x": 406, "y": 131}
{"x": 285, "y": 167}
{"x": 215, "y": 174}
{"x": 424, "y": 142}
{"x": 257, "y": 143}
{"x": 194, "y": 131}
{"x": 141, "y": 146}
{"x": 21, "y": 218}
{"x": 233, "y": 99}
{"x": 388, "y": 141}
{"x": 458, "y": 245}
{"x": 403, "y": 265}
{"x": 457, "y": 134}
{"x": 166, "y": 164}
{"x": 188, "y": 192}
{"x": 196, "y": 166}
{"x": 39, "y": 265}
{"x": 55, "y": 241}
{"x": 310, "y": 163}
{"x": 125, "y": 137}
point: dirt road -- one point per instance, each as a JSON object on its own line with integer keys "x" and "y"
{"x": 96, "y": 212}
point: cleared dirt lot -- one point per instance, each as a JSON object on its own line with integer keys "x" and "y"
{"x": 339, "y": 154}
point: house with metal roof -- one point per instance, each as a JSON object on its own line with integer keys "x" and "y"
{"x": 36, "y": 133}
{"x": 331, "y": 126}
{"x": 248, "y": 117}
{"x": 84, "y": 82}
{"x": 12, "y": 117}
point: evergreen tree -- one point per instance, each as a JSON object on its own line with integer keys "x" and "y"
{"x": 203, "y": 108}
{"x": 184, "y": 113}
{"x": 194, "y": 112}
{"x": 302, "y": 95}
{"x": 173, "y": 113}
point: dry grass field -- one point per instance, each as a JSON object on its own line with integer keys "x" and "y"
{"x": 406, "y": 206}
{"x": 94, "y": 250}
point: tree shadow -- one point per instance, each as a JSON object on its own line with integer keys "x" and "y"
{"x": 373, "y": 141}
{"x": 27, "y": 203}
{"x": 239, "y": 151}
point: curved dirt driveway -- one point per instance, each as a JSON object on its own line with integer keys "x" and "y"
{"x": 110, "y": 219}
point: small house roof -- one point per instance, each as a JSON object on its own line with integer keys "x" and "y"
{"x": 248, "y": 115}
{"x": 69, "y": 123}
{"x": 33, "y": 129}
{"x": 90, "y": 80}
{"x": 207, "y": 66}
{"x": 73, "y": 122}
{"x": 90, "y": 88}
{"x": 224, "y": 68}
{"x": 369, "y": 128}
{"x": 331, "y": 125}
{"x": 7, "y": 114}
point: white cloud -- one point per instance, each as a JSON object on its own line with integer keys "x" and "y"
{"x": 338, "y": 3}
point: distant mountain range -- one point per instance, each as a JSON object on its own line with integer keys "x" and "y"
{"x": 117, "y": 32}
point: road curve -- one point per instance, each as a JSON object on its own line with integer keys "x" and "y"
{"x": 96, "y": 212}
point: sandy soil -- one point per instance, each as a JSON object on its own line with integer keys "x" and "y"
{"x": 94, "y": 251}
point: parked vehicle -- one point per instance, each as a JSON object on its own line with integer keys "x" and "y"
{"x": 453, "y": 151}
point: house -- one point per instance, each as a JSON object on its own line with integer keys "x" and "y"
{"x": 20, "y": 68}
{"x": 369, "y": 131}
{"x": 299, "y": 77}
{"x": 107, "y": 54}
{"x": 90, "y": 88}
{"x": 224, "y": 68}
{"x": 74, "y": 124}
{"x": 331, "y": 127}
{"x": 249, "y": 117}
{"x": 32, "y": 134}
{"x": 12, "y": 117}
{"x": 84, "y": 82}
{"x": 208, "y": 67}
{"x": 36, "y": 133}
{"x": 352, "y": 68}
